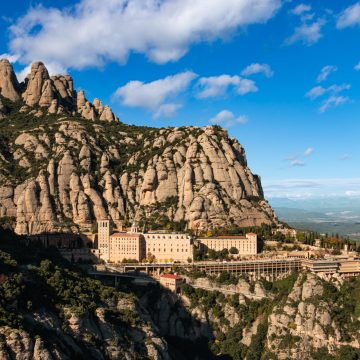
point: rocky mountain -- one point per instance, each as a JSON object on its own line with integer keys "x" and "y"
{"x": 65, "y": 162}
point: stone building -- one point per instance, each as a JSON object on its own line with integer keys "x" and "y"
{"x": 245, "y": 245}
{"x": 169, "y": 246}
{"x": 130, "y": 246}
{"x": 138, "y": 246}
{"x": 171, "y": 282}
{"x": 104, "y": 232}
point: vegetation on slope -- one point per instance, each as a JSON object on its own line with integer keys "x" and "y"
{"x": 34, "y": 281}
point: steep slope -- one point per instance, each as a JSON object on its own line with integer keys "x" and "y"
{"x": 298, "y": 317}
{"x": 49, "y": 310}
{"x": 66, "y": 162}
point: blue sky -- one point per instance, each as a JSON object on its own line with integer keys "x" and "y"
{"x": 280, "y": 75}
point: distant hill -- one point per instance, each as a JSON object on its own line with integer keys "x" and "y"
{"x": 291, "y": 215}
{"x": 331, "y": 215}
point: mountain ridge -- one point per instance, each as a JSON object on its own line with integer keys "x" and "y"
{"x": 66, "y": 162}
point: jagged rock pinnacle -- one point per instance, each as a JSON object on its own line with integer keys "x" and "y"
{"x": 9, "y": 85}
{"x": 38, "y": 82}
{"x": 55, "y": 93}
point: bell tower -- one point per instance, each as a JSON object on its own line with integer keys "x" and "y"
{"x": 104, "y": 232}
{"x": 134, "y": 228}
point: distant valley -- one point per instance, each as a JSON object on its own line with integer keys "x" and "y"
{"x": 325, "y": 215}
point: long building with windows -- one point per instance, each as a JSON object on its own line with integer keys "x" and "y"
{"x": 245, "y": 245}
{"x": 169, "y": 246}
{"x": 134, "y": 245}
{"x": 130, "y": 246}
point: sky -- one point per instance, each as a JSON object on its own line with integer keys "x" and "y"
{"x": 282, "y": 76}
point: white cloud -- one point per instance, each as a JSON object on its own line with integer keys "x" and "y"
{"x": 309, "y": 151}
{"x": 333, "y": 101}
{"x": 335, "y": 89}
{"x": 311, "y": 188}
{"x": 297, "y": 162}
{"x": 318, "y": 91}
{"x": 307, "y": 33}
{"x": 315, "y": 92}
{"x": 93, "y": 32}
{"x": 307, "y": 17}
{"x": 154, "y": 94}
{"x": 258, "y": 68}
{"x": 227, "y": 119}
{"x": 246, "y": 86}
{"x": 218, "y": 85}
{"x": 301, "y": 9}
{"x": 325, "y": 72}
{"x": 357, "y": 66}
{"x": 11, "y": 57}
{"x": 352, "y": 193}
{"x": 334, "y": 98}
{"x": 166, "y": 111}
{"x": 349, "y": 17}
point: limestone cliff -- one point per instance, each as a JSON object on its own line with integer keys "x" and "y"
{"x": 298, "y": 317}
{"x": 65, "y": 162}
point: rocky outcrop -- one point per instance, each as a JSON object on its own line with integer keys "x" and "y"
{"x": 304, "y": 324}
{"x": 9, "y": 86}
{"x": 38, "y": 87}
{"x": 99, "y": 338}
{"x": 199, "y": 176}
{"x": 61, "y": 322}
{"x": 55, "y": 93}
{"x": 174, "y": 318}
{"x": 72, "y": 172}
{"x": 242, "y": 289}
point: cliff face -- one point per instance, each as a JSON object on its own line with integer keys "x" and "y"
{"x": 65, "y": 162}
{"x": 318, "y": 315}
{"x": 299, "y": 317}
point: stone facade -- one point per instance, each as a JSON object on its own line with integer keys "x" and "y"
{"x": 137, "y": 246}
{"x": 171, "y": 282}
{"x": 167, "y": 247}
{"x": 127, "y": 246}
{"x": 104, "y": 232}
{"x": 245, "y": 245}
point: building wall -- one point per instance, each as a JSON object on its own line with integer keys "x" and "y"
{"x": 104, "y": 232}
{"x": 349, "y": 266}
{"x": 171, "y": 284}
{"x": 134, "y": 245}
{"x": 166, "y": 247}
{"x": 246, "y": 245}
{"x": 127, "y": 246}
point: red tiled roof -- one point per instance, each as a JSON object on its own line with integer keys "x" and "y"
{"x": 170, "y": 276}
